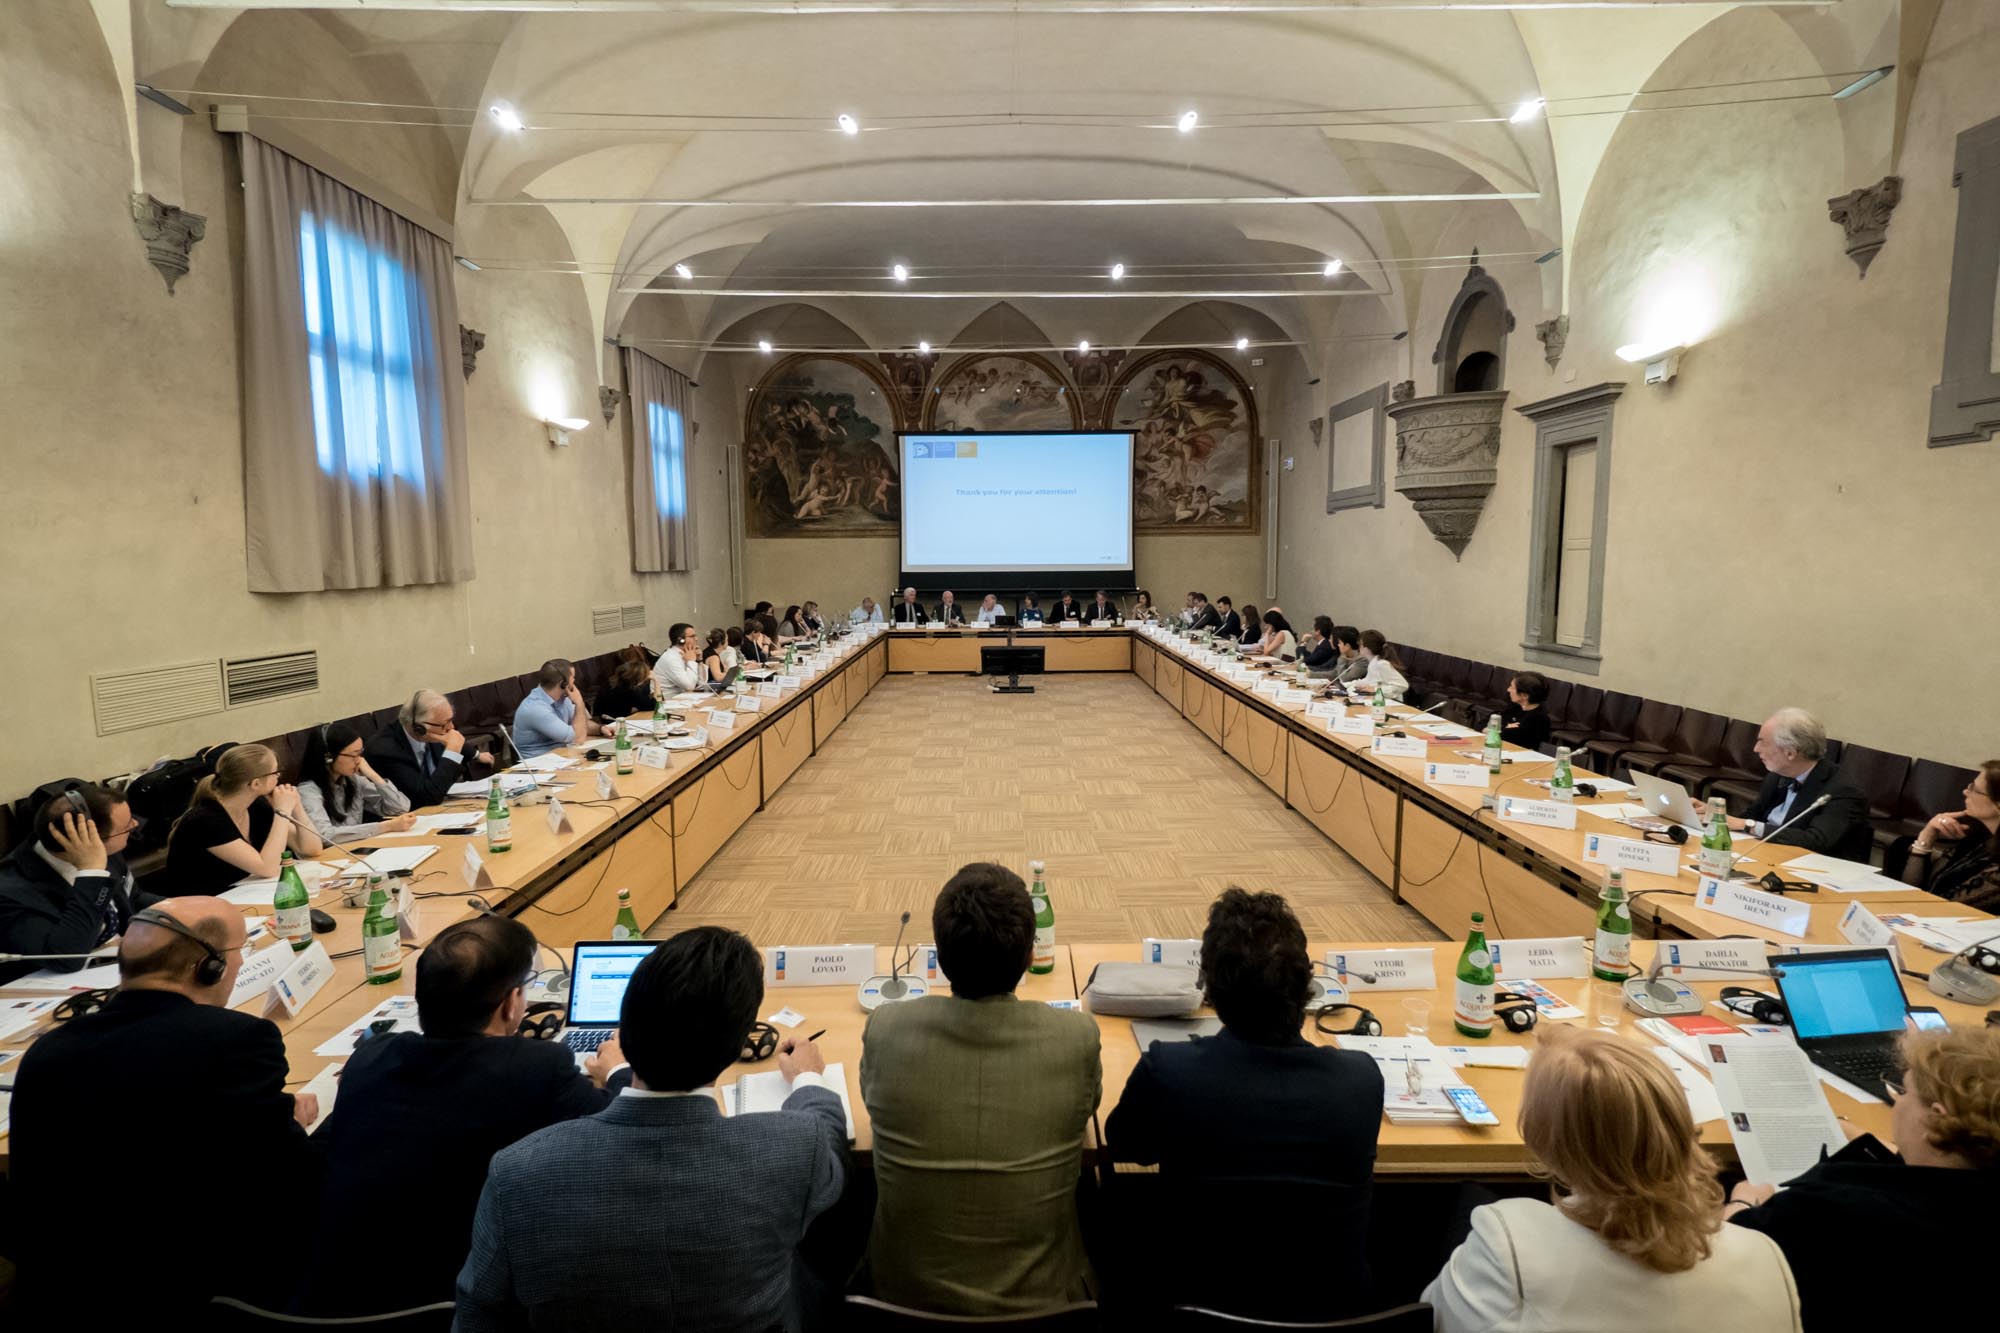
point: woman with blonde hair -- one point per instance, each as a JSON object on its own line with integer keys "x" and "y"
{"x": 1634, "y": 1242}
{"x": 1926, "y": 1192}
{"x": 232, "y": 828}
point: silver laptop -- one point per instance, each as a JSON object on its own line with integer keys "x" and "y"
{"x": 599, "y": 971}
{"x": 1668, "y": 800}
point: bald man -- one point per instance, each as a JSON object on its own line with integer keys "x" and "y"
{"x": 159, "y": 1106}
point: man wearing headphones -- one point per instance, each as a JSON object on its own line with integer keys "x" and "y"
{"x": 165, "y": 1097}
{"x": 425, "y": 753}
{"x": 67, "y": 889}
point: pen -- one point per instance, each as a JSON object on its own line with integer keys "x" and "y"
{"x": 817, "y": 1035}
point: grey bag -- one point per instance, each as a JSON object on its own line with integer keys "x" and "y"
{"x": 1143, "y": 990}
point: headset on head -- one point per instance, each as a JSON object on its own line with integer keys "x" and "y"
{"x": 210, "y": 969}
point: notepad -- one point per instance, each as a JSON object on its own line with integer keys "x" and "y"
{"x": 754, "y": 1094}
{"x": 325, "y": 1085}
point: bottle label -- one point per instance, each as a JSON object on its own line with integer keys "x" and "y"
{"x": 1045, "y": 945}
{"x": 1472, "y": 1008}
{"x": 1480, "y": 958}
{"x": 1716, "y": 861}
{"x": 295, "y": 924}
{"x": 382, "y": 953}
{"x": 621, "y": 931}
{"x": 1614, "y": 949}
{"x": 499, "y": 833}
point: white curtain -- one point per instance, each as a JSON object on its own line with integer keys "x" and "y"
{"x": 354, "y": 459}
{"x": 662, "y": 410}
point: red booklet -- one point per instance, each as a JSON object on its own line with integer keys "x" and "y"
{"x": 1702, "y": 1025}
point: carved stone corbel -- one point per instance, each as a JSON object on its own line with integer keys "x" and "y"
{"x": 910, "y": 373}
{"x": 1864, "y": 215}
{"x": 1318, "y": 425}
{"x": 470, "y": 343}
{"x": 1554, "y": 333}
{"x": 1403, "y": 391}
{"x": 1447, "y": 459}
{"x": 169, "y": 234}
{"x": 608, "y": 399}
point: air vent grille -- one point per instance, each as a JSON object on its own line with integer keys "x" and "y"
{"x": 129, "y": 700}
{"x": 633, "y": 616}
{"x": 253, "y": 680}
{"x": 606, "y": 619}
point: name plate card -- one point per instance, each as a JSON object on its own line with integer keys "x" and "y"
{"x": 1100, "y": 624}
{"x": 1710, "y": 960}
{"x": 473, "y": 870}
{"x": 1456, "y": 775}
{"x": 259, "y": 971}
{"x": 653, "y": 756}
{"x": 1301, "y": 698}
{"x": 1402, "y": 747}
{"x": 1240, "y": 676}
{"x": 1632, "y": 854}
{"x": 771, "y": 689}
{"x": 293, "y": 987}
{"x": 1392, "y": 969}
{"x": 722, "y": 719}
{"x": 1770, "y": 910}
{"x": 1548, "y": 814}
{"x": 1522, "y": 960}
{"x": 1174, "y": 953}
{"x": 1269, "y": 685}
{"x": 749, "y": 703}
{"x": 558, "y": 817}
{"x": 818, "y": 964}
{"x": 605, "y": 791}
{"x": 789, "y": 682}
{"x": 1860, "y": 926}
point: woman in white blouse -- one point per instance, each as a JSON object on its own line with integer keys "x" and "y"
{"x": 1635, "y": 1240}
{"x": 679, "y": 669}
{"x": 1384, "y": 673}
{"x": 344, "y": 798}
{"x": 1278, "y": 639}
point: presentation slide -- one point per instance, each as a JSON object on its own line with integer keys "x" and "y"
{"x": 1060, "y": 501}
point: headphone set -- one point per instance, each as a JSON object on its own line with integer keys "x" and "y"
{"x": 206, "y": 972}
{"x": 1759, "y": 1007}
{"x": 541, "y": 1021}
{"x": 759, "y": 1043}
{"x": 1365, "y": 1022}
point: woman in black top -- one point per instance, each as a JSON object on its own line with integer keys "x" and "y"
{"x": 1253, "y": 627}
{"x": 231, "y": 830}
{"x": 1524, "y": 721}
{"x": 630, "y": 689}
{"x": 1957, "y": 856}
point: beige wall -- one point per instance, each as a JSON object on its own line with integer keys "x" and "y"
{"x": 1778, "y": 533}
{"x": 122, "y": 473}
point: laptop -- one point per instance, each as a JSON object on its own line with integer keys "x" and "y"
{"x": 1668, "y": 800}
{"x": 598, "y": 973}
{"x": 1847, "y": 1011}
{"x": 728, "y": 679}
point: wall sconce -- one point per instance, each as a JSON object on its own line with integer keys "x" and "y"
{"x": 558, "y": 429}
{"x": 1662, "y": 363}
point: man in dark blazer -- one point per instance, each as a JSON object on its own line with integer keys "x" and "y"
{"x": 424, "y": 753}
{"x": 1205, "y": 615}
{"x": 1230, "y": 626}
{"x": 67, "y": 889}
{"x": 1261, "y": 1123}
{"x": 155, "y": 1106}
{"x": 1101, "y": 607}
{"x": 1064, "y": 608}
{"x": 909, "y": 611}
{"x": 1792, "y": 747}
{"x": 427, "y": 1110}
{"x": 658, "y": 1212}
{"x": 949, "y": 612}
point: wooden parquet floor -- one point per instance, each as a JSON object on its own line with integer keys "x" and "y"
{"x": 1141, "y": 819}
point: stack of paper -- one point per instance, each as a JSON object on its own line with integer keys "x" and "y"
{"x": 543, "y": 763}
{"x": 756, "y": 1093}
{"x": 694, "y": 740}
{"x": 100, "y": 974}
{"x": 1414, "y": 1076}
{"x": 1847, "y": 876}
{"x": 437, "y": 823}
{"x": 511, "y": 784}
{"x": 325, "y": 1085}
{"x": 399, "y": 1010}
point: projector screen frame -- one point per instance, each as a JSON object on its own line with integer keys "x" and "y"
{"x": 1084, "y": 582}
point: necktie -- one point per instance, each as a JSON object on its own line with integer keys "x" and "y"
{"x": 430, "y": 762}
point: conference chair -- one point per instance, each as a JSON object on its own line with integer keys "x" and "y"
{"x": 1577, "y": 722}
{"x": 229, "y": 1313}
{"x": 1735, "y": 761}
{"x": 1403, "y": 1319}
{"x": 1878, "y": 773}
{"x": 1651, "y": 731}
{"x": 865, "y": 1314}
{"x": 1617, "y": 719}
{"x": 1696, "y": 740}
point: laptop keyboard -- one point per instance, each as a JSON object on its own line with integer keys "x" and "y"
{"x": 586, "y": 1039}
{"x": 1866, "y": 1069}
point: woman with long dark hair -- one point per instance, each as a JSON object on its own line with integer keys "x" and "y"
{"x": 341, "y": 794}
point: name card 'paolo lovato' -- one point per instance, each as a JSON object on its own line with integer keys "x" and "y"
{"x": 818, "y": 964}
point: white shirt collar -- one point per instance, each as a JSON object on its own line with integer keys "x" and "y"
{"x": 56, "y": 863}
{"x": 707, "y": 1091}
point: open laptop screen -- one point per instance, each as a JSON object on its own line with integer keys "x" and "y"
{"x": 1842, "y": 994}
{"x": 597, "y": 979}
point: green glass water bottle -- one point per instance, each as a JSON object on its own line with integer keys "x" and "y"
{"x": 1562, "y": 787}
{"x": 381, "y": 943}
{"x": 1613, "y": 953}
{"x": 499, "y": 823}
{"x": 1044, "y": 960}
{"x": 1472, "y": 1003}
{"x": 626, "y": 927}
{"x": 292, "y": 906}
{"x": 621, "y": 750}
{"x": 1718, "y": 854}
{"x": 1494, "y": 748}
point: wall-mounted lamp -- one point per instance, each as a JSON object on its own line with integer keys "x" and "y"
{"x": 559, "y": 428}
{"x": 1662, "y": 363}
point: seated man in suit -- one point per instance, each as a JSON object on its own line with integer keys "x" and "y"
{"x": 1230, "y": 625}
{"x": 949, "y": 612}
{"x": 979, "y": 1104}
{"x": 1259, "y": 1121}
{"x": 424, "y": 753}
{"x": 910, "y": 611}
{"x": 552, "y": 714}
{"x": 166, "y": 1089}
{"x": 1792, "y": 747}
{"x": 1101, "y": 608}
{"x": 67, "y": 889}
{"x": 427, "y": 1110}
{"x": 991, "y": 608}
{"x": 1064, "y": 608}
{"x": 1205, "y": 615}
{"x": 657, "y": 1212}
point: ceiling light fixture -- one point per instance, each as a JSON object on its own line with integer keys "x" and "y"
{"x": 683, "y": 271}
{"x": 1117, "y": 272}
{"x": 558, "y": 429}
{"x": 1332, "y": 267}
{"x": 899, "y": 273}
{"x": 1084, "y": 347}
{"x": 465, "y": 263}
{"x": 1866, "y": 81}
{"x": 923, "y": 348}
{"x": 1527, "y": 111}
{"x": 506, "y": 117}
{"x": 1189, "y": 119}
{"x": 1242, "y": 344}
{"x": 764, "y": 346}
{"x": 848, "y": 124}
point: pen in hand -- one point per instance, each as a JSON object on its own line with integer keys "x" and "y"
{"x": 817, "y": 1035}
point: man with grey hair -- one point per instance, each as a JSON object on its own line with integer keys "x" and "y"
{"x": 425, "y": 753}
{"x": 910, "y": 611}
{"x": 1792, "y": 747}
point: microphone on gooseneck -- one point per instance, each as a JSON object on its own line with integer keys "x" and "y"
{"x": 895, "y": 988}
{"x": 1817, "y": 802}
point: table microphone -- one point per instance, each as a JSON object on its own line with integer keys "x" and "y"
{"x": 51, "y": 957}
{"x": 1654, "y": 998}
{"x": 1957, "y": 978}
{"x": 878, "y": 991}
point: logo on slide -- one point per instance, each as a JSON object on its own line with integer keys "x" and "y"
{"x": 919, "y": 450}
{"x": 968, "y": 448}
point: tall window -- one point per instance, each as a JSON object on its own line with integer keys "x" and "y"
{"x": 1566, "y": 553}
{"x": 664, "y": 427}
{"x": 361, "y": 308}
{"x": 662, "y": 526}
